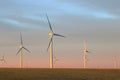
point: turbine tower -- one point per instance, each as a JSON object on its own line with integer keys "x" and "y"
{"x": 3, "y": 59}
{"x": 84, "y": 55}
{"x": 51, "y": 35}
{"x": 21, "y": 47}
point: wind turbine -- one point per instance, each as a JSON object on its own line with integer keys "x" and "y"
{"x": 55, "y": 59}
{"x": 3, "y": 59}
{"x": 21, "y": 47}
{"x": 51, "y": 35}
{"x": 115, "y": 61}
{"x": 84, "y": 55}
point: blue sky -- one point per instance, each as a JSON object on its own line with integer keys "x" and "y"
{"x": 24, "y": 12}
{"x": 96, "y": 21}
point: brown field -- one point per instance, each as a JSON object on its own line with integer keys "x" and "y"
{"x": 58, "y": 74}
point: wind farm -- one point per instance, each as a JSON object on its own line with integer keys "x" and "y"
{"x": 59, "y": 40}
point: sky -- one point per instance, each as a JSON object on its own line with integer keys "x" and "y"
{"x": 96, "y": 21}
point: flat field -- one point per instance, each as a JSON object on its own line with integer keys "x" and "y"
{"x": 58, "y": 74}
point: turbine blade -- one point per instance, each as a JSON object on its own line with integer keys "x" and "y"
{"x": 21, "y": 38}
{"x": 49, "y": 44}
{"x": 19, "y": 51}
{"x": 26, "y": 49}
{"x": 59, "y": 35}
{"x": 49, "y": 23}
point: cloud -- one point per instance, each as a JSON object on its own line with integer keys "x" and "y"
{"x": 24, "y": 21}
{"x": 26, "y": 13}
{"x": 101, "y": 8}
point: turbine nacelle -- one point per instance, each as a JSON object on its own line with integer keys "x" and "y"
{"x": 51, "y": 34}
{"x": 21, "y": 46}
{"x": 86, "y": 51}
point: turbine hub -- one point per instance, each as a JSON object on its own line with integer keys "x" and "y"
{"x": 21, "y": 46}
{"x": 51, "y": 34}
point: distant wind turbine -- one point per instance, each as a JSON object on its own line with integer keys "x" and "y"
{"x": 55, "y": 59}
{"x": 115, "y": 61}
{"x": 51, "y": 34}
{"x": 84, "y": 55}
{"x": 20, "y": 51}
{"x": 3, "y": 59}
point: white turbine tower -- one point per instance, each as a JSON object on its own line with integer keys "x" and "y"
{"x": 84, "y": 55}
{"x": 20, "y": 51}
{"x": 51, "y": 34}
{"x": 3, "y": 59}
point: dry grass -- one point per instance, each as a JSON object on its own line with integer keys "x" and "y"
{"x": 59, "y": 74}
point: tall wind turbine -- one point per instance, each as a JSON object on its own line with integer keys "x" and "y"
{"x": 3, "y": 59}
{"x": 84, "y": 55}
{"x": 20, "y": 51}
{"x": 51, "y": 35}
